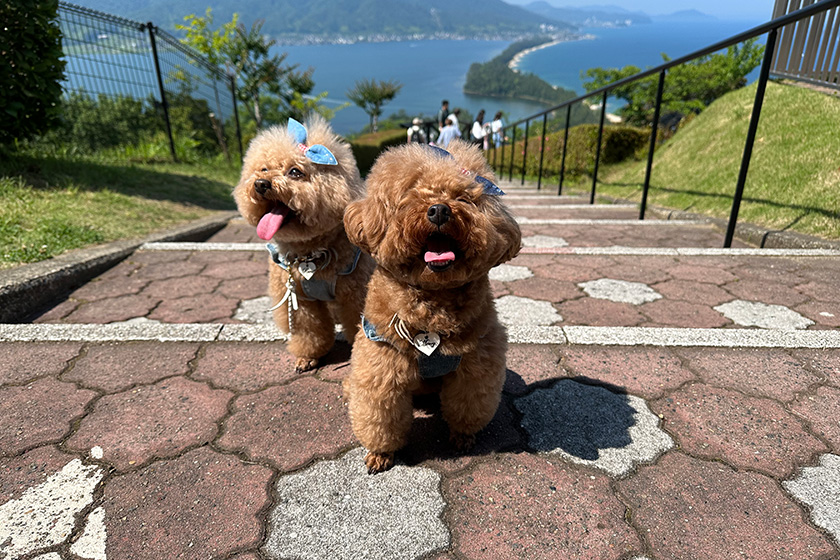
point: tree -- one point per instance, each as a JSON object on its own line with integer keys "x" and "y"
{"x": 263, "y": 79}
{"x": 371, "y": 95}
{"x": 689, "y": 87}
{"x": 32, "y": 69}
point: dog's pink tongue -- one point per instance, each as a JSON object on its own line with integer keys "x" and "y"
{"x": 271, "y": 222}
{"x": 438, "y": 258}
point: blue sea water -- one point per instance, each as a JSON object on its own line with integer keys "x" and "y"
{"x": 433, "y": 70}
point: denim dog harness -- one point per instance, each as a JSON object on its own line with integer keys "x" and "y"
{"x": 314, "y": 289}
{"x": 431, "y": 362}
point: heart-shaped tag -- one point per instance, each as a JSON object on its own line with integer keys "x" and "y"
{"x": 307, "y": 269}
{"x": 427, "y": 342}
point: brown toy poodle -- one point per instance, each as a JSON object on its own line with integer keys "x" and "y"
{"x": 435, "y": 225}
{"x": 296, "y": 183}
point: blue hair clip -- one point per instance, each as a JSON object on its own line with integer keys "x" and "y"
{"x": 489, "y": 187}
{"x": 317, "y": 153}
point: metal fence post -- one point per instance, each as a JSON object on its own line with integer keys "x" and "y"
{"x": 151, "y": 27}
{"x": 512, "y": 154}
{"x": 542, "y": 152}
{"x": 524, "y": 152}
{"x": 598, "y": 148}
{"x": 653, "y": 133}
{"x": 236, "y": 115}
{"x": 565, "y": 143}
{"x": 756, "y": 113}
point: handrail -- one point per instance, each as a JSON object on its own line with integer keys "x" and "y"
{"x": 771, "y": 28}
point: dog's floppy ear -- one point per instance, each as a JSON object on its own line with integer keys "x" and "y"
{"x": 511, "y": 234}
{"x": 364, "y": 224}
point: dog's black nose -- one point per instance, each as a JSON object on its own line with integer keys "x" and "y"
{"x": 262, "y": 185}
{"x": 439, "y": 214}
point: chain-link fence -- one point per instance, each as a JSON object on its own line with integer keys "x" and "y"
{"x": 148, "y": 81}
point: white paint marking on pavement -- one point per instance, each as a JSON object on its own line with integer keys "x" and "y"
{"x": 163, "y": 332}
{"x": 517, "y": 334}
{"x": 620, "y": 291}
{"x": 544, "y": 241}
{"x": 757, "y": 314}
{"x": 819, "y": 488}
{"x": 572, "y": 206}
{"x": 91, "y": 545}
{"x": 515, "y": 310}
{"x": 570, "y": 222}
{"x": 510, "y": 273}
{"x": 44, "y": 515}
{"x": 190, "y": 246}
{"x": 97, "y": 452}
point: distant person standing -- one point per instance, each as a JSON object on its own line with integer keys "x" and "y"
{"x": 479, "y": 131}
{"x": 442, "y": 114}
{"x": 453, "y": 116}
{"x": 415, "y": 134}
{"x": 496, "y": 129}
{"x": 448, "y": 133}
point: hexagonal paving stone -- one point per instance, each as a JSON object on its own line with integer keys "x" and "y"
{"x": 757, "y": 314}
{"x": 195, "y": 309}
{"x": 689, "y": 508}
{"x": 289, "y": 425}
{"x": 642, "y": 371}
{"x": 620, "y": 291}
{"x": 510, "y": 273}
{"x": 592, "y": 426}
{"x": 528, "y": 507}
{"x": 38, "y": 413}
{"x": 200, "y": 505}
{"x": 160, "y": 420}
{"x": 747, "y": 432}
{"x": 822, "y": 412}
{"x": 45, "y": 514}
{"x": 115, "y": 367}
{"x": 255, "y": 311}
{"x": 545, "y": 289}
{"x": 335, "y": 509}
{"x": 514, "y": 310}
{"x": 22, "y": 361}
{"x": 544, "y": 241}
{"x": 819, "y": 488}
{"x": 672, "y": 313}
{"x": 172, "y": 288}
{"x": 113, "y": 309}
{"x": 763, "y": 372}
{"x": 600, "y": 313}
{"x": 528, "y": 364}
{"x": 245, "y": 366}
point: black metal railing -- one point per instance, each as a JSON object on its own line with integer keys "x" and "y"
{"x": 770, "y": 28}
{"x": 115, "y": 57}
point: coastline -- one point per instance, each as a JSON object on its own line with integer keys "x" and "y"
{"x": 517, "y": 58}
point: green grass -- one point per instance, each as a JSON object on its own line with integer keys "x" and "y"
{"x": 50, "y": 204}
{"x": 794, "y": 176}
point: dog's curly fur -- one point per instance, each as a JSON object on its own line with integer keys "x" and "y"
{"x": 394, "y": 223}
{"x": 317, "y": 196}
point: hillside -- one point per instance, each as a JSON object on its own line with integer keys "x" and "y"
{"x": 292, "y": 21}
{"x": 793, "y": 182}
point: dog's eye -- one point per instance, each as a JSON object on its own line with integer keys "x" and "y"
{"x": 295, "y": 173}
{"x": 466, "y": 200}
{"x": 264, "y": 169}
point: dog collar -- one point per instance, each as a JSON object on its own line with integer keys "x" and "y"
{"x": 314, "y": 289}
{"x": 431, "y": 362}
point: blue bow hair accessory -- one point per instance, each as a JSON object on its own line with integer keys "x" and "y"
{"x": 317, "y": 153}
{"x": 489, "y": 187}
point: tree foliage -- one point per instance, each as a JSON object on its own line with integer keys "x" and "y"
{"x": 689, "y": 87}
{"x": 371, "y": 95}
{"x": 271, "y": 90}
{"x": 32, "y": 69}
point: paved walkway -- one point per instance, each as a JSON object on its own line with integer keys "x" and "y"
{"x": 665, "y": 399}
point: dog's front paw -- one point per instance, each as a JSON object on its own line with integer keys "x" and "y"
{"x": 305, "y": 364}
{"x": 462, "y": 442}
{"x": 378, "y": 462}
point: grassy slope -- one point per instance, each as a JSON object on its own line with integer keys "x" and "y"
{"x": 49, "y": 205}
{"x": 794, "y": 176}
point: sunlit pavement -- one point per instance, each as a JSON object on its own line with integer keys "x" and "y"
{"x": 665, "y": 398}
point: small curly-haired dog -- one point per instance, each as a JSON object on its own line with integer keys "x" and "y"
{"x": 435, "y": 225}
{"x": 296, "y": 183}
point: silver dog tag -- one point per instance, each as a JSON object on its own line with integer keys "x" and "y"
{"x": 307, "y": 269}
{"x": 427, "y": 342}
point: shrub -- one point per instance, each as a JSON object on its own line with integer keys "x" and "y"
{"x": 32, "y": 69}
{"x": 618, "y": 144}
{"x": 367, "y": 148}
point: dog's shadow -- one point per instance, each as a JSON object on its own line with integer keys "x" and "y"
{"x": 579, "y": 416}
